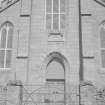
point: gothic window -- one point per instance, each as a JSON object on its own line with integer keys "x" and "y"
{"x": 6, "y": 36}
{"x": 55, "y": 15}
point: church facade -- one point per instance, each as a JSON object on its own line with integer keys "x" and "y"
{"x": 53, "y": 45}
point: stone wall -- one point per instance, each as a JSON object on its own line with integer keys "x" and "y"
{"x": 3, "y": 91}
{"x": 91, "y": 95}
{"x": 13, "y": 94}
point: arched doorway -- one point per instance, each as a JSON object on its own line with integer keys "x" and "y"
{"x": 55, "y": 78}
{"x": 55, "y": 70}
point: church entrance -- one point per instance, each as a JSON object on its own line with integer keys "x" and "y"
{"x": 55, "y": 80}
{"x": 53, "y": 91}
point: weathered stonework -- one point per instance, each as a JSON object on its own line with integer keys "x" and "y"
{"x": 91, "y": 95}
{"x": 34, "y": 47}
{"x": 14, "y": 93}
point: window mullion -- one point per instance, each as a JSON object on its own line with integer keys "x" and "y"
{"x": 59, "y": 15}
{"x": 52, "y": 16}
{"x": 45, "y": 12}
{"x": 0, "y": 37}
{"x": 5, "y": 56}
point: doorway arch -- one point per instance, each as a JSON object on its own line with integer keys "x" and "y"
{"x": 55, "y": 75}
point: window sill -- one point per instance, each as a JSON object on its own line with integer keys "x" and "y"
{"x": 4, "y": 69}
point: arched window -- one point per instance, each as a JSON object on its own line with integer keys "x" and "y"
{"x": 6, "y": 36}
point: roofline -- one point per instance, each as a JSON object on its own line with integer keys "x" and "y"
{"x": 100, "y": 3}
{"x": 9, "y": 6}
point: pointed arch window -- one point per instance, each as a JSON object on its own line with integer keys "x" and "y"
{"x": 6, "y": 37}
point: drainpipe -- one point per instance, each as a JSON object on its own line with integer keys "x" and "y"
{"x": 81, "y": 72}
{"x": 81, "y": 78}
